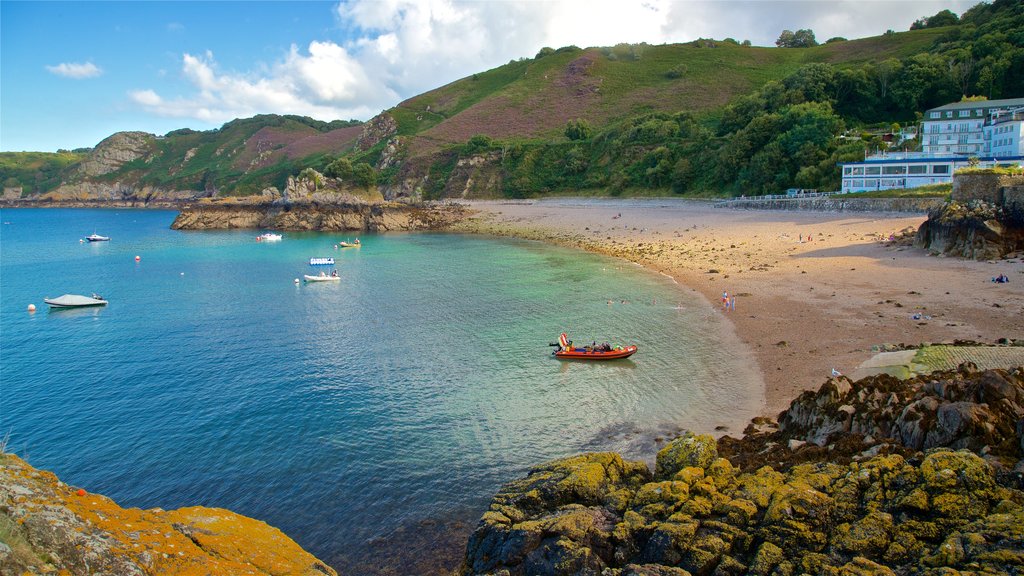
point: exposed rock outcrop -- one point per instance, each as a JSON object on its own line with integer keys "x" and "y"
{"x": 379, "y": 128}
{"x": 977, "y": 230}
{"x": 873, "y": 506}
{"x": 115, "y": 151}
{"x": 50, "y": 527}
{"x": 370, "y": 217}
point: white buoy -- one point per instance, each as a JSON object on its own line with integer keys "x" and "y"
{"x": 137, "y": 258}
{"x": 81, "y": 241}
{"x": 31, "y": 307}
{"x": 296, "y": 280}
{"x": 182, "y": 273}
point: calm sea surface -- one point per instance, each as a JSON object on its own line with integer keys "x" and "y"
{"x": 365, "y": 418}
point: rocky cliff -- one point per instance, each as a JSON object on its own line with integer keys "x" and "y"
{"x": 839, "y": 486}
{"x": 49, "y": 527}
{"x": 341, "y": 216}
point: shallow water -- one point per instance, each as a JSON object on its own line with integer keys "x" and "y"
{"x": 395, "y": 402}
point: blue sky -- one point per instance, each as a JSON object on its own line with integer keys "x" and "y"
{"x": 73, "y": 73}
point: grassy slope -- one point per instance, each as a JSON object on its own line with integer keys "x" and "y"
{"x": 35, "y": 172}
{"x": 534, "y": 98}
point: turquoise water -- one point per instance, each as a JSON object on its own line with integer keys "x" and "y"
{"x": 346, "y": 413}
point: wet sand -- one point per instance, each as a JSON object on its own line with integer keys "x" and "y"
{"x": 813, "y": 291}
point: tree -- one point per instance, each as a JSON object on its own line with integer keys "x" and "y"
{"x": 943, "y": 18}
{"x": 799, "y": 39}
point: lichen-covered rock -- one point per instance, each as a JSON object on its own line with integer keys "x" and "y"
{"x": 688, "y": 450}
{"x": 868, "y": 512}
{"x": 49, "y": 527}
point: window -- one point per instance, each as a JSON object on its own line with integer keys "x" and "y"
{"x": 847, "y": 170}
{"x": 872, "y": 170}
{"x": 940, "y": 169}
{"x": 962, "y": 139}
{"x": 949, "y": 113}
{"x": 870, "y": 183}
{"x": 935, "y": 115}
{"x": 858, "y": 171}
{"x": 917, "y": 169}
{"x": 894, "y": 170}
{"x": 979, "y": 112}
{"x": 965, "y": 113}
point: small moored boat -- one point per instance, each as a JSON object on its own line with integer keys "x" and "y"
{"x": 566, "y": 351}
{"x": 75, "y": 301}
{"x": 355, "y": 244}
{"x": 321, "y": 261}
{"x": 268, "y": 237}
{"x": 321, "y": 278}
{"x": 97, "y": 238}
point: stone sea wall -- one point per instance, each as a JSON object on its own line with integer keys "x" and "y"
{"x": 879, "y": 476}
{"x": 48, "y": 527}
{"x": 839, "y": 204}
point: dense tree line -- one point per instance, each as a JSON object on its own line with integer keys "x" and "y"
{"x": 791, "y": 132}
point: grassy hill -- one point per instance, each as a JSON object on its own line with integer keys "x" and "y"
{"x": 702, "y": 117}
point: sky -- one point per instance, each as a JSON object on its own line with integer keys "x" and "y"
{"x": 73, "y": 73}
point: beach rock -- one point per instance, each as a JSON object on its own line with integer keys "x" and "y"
{"x": 50, "y": 527}
{"x": 977, "y": 229}
{"x": 857, "y": 506}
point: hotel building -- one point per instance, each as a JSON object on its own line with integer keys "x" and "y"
{"x": 990, "y": 131}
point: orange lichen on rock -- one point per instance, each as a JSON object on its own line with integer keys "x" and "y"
{"x": 52, "y": 528}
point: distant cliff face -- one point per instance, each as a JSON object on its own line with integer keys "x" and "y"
{"x": 116, "y": 151}
{"x": 50, "y": 527}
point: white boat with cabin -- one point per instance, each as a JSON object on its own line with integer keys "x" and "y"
{"x": 75, "y": 301}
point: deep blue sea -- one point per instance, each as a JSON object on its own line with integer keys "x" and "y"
{"x": 370, "y": 419}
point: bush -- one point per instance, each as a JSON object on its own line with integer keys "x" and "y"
{"x": 677, "y": 71}
{"x": 364, "y": 175}
{"x": 340, "y": 168}
{"x": 578, "y": 129}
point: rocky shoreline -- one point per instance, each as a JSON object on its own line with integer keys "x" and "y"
{"x": 325, "y": 217}
{"x": 879, "y": 476}
{"x": 48, "y": 527}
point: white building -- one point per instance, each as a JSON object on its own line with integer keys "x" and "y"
{"x": 959, "y": 128}
{"x": 910, "y": 170}
{"x": 1003, "y": 134}
{"x": 991, "y": 131}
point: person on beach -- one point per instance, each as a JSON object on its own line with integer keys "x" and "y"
{"x": 732, "y": 304}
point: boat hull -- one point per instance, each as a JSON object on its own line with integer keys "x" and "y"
{"x": 95, "y": 238}
{"x": 321, "y": 278}
{"x": 581, "y": 354}
{"x": 73, "y": 301}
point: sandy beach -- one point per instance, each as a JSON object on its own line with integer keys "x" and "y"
{"x": 813, "y": 291}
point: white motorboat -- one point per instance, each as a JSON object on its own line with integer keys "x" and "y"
{"x": 97, "y": 238}
{"x": 321, "y": 261}
{"x": 75, "y": 301}
{"x": 323, "y": 278}
{"x": 269, "y": 237}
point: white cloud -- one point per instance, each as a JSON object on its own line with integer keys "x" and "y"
{"x": 75, "y": 70}
{"x": 326, "y": 83}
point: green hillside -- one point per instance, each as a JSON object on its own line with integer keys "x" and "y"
{"x": 709, "y": 117}
{"x": 35, "y": 172}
